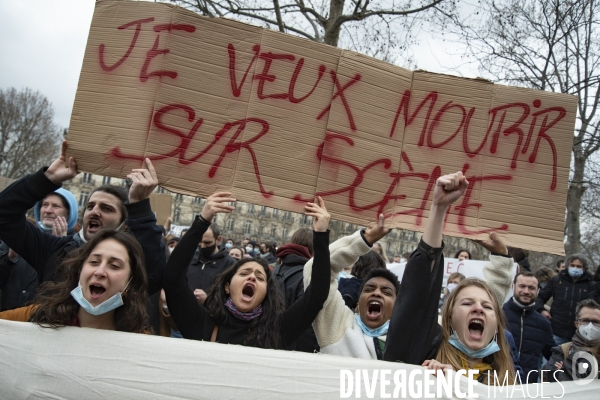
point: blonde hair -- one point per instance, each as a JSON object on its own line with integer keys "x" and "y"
{"x": 501, "y": 361}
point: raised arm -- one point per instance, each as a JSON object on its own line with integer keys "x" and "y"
{"x": 142, "y": 223}
{"x": 414, "y": 318}
{"x": 27, "y": 240}
{"x": 184, "y": 309}
{"x": 497, "y": 272}
{"x": 300, "y": 315}
{"x": 334, "y": 317}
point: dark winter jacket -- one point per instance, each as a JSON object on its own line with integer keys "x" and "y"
{"x": 566, "y": 294}
{"x": 18, "y": 281}
{"x": 533, "y": 336}
{"x": 268, "y": 257}
{"x": 565, "y": 373}
{"x": 44, "y": 252}
{"x": 514, "y": 354}
{"x": 290, "y": 276}
{"x": 202, "y": 273}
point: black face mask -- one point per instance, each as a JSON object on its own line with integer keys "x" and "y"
{"x": 206, "y": 252}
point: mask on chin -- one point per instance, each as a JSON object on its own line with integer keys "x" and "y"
{"x": 114, "y": 302}
{"x": 490, "y": 349}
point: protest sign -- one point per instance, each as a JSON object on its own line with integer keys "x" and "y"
{"x": 161, "y": 205}
{"x": 277, "y": 120}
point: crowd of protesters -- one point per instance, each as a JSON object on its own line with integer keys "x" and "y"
{"x": 306, "y": 295}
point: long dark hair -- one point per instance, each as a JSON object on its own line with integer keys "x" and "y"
{"x": 56, "y": 306}
{"x": 466, "y": 251}
{"x": 264, "y": 330}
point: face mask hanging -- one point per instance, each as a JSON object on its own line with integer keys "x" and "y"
{"x": 114, "y": 302}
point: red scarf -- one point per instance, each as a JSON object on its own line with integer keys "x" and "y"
{"x": 292, "y": 248}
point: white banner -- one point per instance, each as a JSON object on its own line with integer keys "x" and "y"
{"x": 81, "y": 363}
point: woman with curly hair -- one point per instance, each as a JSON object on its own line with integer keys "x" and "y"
{"x": 103, "y": 285}
{"x": 244, "y": 305}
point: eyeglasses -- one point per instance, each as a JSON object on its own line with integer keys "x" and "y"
{"x": 585, "y": 321}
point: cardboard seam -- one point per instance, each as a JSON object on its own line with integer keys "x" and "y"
{"x": 158, "y": 86}
{"x": 235, "y": 168}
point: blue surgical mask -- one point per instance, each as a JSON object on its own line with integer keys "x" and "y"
{"x": 228, "y": 246}
{"x": 491, "y": 348}
{"x": 575, "y": 272}
{"x": 114, "y": 302}
{"x": 380, "y": 331}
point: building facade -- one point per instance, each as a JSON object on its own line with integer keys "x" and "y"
{"x": 260, "y": 223}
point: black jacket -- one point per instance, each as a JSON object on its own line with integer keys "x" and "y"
{"x": 533, "y": 336}
{"x": 268, "y": 257}
{"x": 414, "y": 332}
{"x": 290, "y": 276}
{"x": 566, "y": 294}
{"x": 18, "y": 281}
{"x": 44, "y": 252}
{"x": 202, "y": 273}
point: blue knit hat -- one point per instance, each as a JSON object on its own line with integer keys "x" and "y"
{"x": 73, "y": 210}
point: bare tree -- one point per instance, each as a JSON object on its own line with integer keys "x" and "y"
{"x": 548, "y": 45}
{"x": 382, "y": 29}
{"x": 29, "y": 139}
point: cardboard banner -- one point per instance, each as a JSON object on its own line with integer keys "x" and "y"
{"x": 277, "y": 120}
{"x": 161, "y": 205}
{"x": 82, "y": 363}
{"x": 469, "y": 268}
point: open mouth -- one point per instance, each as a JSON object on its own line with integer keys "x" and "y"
{"x": 248, "y": 292}
{"x": 93, "y": 225}
{"x": 96, "y": 291}
{"x": 374, "y": 309}
{"x": 476, "y": 326}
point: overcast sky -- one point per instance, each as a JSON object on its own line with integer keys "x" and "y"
{"x": 42, "y": 44}
{"x": 43, "y": 41}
